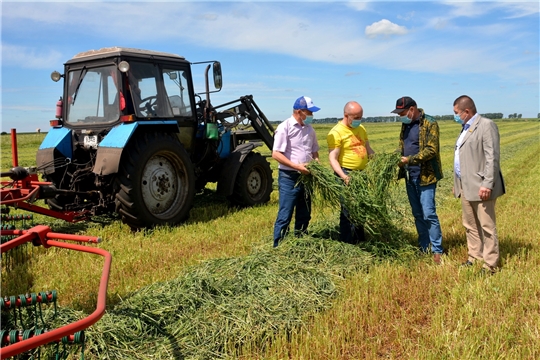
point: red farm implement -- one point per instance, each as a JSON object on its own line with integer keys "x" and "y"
{"x": 24, "y": 189}
{"x": 24, "y": 329}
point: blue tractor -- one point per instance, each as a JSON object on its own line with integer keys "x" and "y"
{"x": 131, "y": 136}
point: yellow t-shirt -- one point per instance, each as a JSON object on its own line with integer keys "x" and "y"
{"x": 351, "y": 141}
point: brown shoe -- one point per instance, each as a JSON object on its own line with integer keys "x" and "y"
{"x": 437, "y": 259}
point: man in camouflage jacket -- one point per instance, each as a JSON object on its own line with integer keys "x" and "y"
{"x": 421, "y": 167}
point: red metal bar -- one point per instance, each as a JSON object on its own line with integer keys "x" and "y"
{"x": 16, "y": 242}
{"x": 70, "y": 237}
{"x": 43, "y": 234}
{"x": 14, "y": 153}
{"x": 17, "y": 195}
{"x": 54, "y": 335}
{"x": 69, "y": 216}
{"x": 22, "y": 193}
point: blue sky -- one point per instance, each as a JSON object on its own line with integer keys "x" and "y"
{"x": 371, "y": 52}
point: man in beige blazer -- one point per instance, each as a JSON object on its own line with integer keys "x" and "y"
{"x": 478, "y": 181}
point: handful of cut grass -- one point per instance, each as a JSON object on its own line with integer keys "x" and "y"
{"x": 366, "y": 197}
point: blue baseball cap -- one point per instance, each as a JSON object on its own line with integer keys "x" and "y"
{"x": 304, "y": 102}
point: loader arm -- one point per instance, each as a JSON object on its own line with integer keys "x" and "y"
{"x": 248, "y": 109}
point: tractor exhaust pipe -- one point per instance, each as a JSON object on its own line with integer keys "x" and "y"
{"x": 207, "y": 85}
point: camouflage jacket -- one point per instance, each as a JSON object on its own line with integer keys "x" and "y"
{"x": 428, "y": 156}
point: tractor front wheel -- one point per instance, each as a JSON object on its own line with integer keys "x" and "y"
{"x": 156, "y": 182}
{"x": 253, "y": 183}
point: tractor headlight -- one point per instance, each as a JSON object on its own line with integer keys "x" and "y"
{"x": 123, "y": 66}
{"x": 55, "y": 76}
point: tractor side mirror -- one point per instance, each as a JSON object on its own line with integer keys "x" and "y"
{"x": 218, "y": 83}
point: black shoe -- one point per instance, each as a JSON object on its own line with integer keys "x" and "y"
{"x": 467, "y": 263}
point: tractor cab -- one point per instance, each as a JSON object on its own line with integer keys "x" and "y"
{"x": 105, "y": 87}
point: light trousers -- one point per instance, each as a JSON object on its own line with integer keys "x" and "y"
{"x": 482, "y": 240}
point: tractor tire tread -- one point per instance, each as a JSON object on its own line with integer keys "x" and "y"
{"x": 130, "y": 200}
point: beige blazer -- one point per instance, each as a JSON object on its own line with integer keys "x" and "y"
{"x": 479, "y": 157}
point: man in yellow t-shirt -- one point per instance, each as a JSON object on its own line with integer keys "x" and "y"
{"x": 348, "y": 147}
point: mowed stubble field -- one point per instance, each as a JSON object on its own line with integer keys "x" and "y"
{"x": 402, "y": 308}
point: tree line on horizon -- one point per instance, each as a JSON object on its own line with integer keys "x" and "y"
{"x": 332, "y": 120}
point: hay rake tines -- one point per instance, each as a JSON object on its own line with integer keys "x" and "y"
{"x": 20, "y": 254}
{"x": 15, "y": 342}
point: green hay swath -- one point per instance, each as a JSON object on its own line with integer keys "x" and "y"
{"x": 221, "y": 306}
{"x": 367, "y": 197}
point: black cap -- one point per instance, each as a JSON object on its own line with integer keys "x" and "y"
{"x": 403, "y": 103}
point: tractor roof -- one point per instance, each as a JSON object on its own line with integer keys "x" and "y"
{"x": 118, "y": 51}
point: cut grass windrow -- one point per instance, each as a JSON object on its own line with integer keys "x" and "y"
{"x": 219, "y": 306}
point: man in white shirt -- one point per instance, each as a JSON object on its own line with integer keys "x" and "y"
{"x": 295, "y": 144}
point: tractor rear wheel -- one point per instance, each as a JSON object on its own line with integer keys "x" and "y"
{"x": 156, "y": 182}
{"x": 253, "y": 183}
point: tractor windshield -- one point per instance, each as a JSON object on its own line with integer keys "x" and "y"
{"x": 93, "y": 96}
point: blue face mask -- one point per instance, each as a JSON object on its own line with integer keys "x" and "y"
{"x": 458, "y": 119}
{"x": 356, "y": 123}
{"x": 405, "y": 119}
{"x": 309, "y": 119}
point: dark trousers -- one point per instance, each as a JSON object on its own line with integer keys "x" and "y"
{"x": 349, "y": 233}
{"x": 291, "y": 196}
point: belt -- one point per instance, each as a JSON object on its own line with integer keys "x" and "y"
{"x": 290, "y": 171}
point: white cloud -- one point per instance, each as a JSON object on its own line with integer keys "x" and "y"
{"x": 515, "y": 9}
{"x": 30, "y": 58}
{"x": 408, "y": 16}
{"x": 439, "y": 23}
{"x": 263, "y": 27}
{"x": 208, "y": 17}
{"x": 468, "y": 9}
{"x": 521, "y": 9}
{"x": 358, "y": 5}
{"x": 385, "y": 27}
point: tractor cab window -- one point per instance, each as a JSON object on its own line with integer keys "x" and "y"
{"x": 146, "y": 93}
{"x": 176, "y": 85}
{"x": 93, "y": 96}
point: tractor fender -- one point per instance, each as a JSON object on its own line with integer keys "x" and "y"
{"x": 110, "y": 149}
{"x": 58, "y": 139}
{"x": 230, "y": 168}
